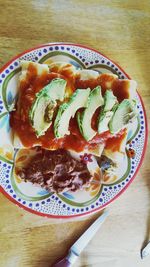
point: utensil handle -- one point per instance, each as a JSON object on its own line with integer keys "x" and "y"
{"x": 68, "y": 261}
{"x": 63, "y": 263}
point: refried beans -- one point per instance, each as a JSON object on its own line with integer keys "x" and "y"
{"x": 56, "y": 171}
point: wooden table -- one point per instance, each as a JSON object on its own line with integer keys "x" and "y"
{"x": 121, "y": 30}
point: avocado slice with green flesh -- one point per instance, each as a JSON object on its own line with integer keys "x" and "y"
{"x": 41, "y": 112}
{"x": 110, "y": 104}
{"x": 55, "y": 89}
{"x": 109, "y": 100}
{"x": 67, "y": 111}
{"x": 43, "y": 115}
{"x": 84, "y": 119}
{"x": 124, "y": 114}
{"x": 105, "y": 117}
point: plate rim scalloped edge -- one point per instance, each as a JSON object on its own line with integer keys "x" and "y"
{"x": 143, "y": 152}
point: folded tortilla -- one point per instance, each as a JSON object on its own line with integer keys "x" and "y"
{"x": 115, "y": 148}
{"x": 106, "y": 81}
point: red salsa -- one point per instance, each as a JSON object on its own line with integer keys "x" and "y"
{"x": 19, "y": 119}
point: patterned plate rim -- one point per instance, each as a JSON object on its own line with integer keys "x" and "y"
{"x": 143, "y": 152}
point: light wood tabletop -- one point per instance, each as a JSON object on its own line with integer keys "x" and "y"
{"x": 121, "y": 30}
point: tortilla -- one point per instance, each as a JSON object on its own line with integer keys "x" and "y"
{"x": 84, "y": 78}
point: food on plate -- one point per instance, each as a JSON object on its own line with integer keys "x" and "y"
{"x": 68, "y": 110}
{"x": 108, "y": 169}
{"x": 56, "y": 171}
{"x": 115, "y": 147}
{"x": 95, "y": 100}
{"x": 124, "y": 113}
{"x": 110, "y": 104}
{"x": 43, "y": 107}
{"x": 63, "y": 109}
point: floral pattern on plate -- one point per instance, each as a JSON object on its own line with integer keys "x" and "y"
{"x": 67, "y": 204}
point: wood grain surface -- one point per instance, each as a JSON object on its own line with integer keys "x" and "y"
{"x": 121, "y": 30}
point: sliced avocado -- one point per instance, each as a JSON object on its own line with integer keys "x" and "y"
{"x": 110, "y": 103}
{"x": 109, "y": 100}
{"x": 124, "y": 114}
{"x": 42, "y": 117}
{"x": 67, "y": 111}
{"x": 41, "y": 112}
{"x": 103, "y": 121}
{"x": 55, "y": 89}
{"x": 95, "y": 100}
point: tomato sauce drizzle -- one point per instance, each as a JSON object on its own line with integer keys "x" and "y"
{"x": 19, "y": 118}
